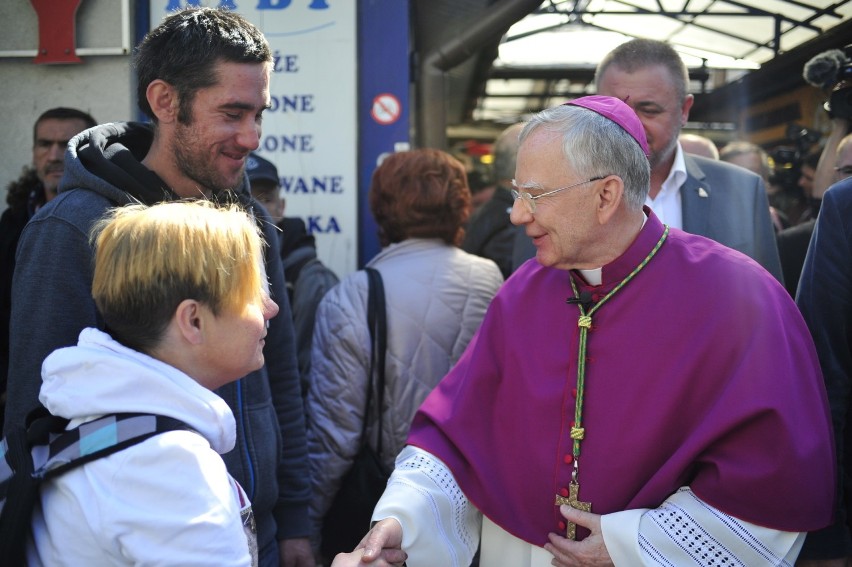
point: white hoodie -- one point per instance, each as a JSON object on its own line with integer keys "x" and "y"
{"x": 167, "y": 500}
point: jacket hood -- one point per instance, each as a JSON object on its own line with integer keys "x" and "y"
{"x": 294, "y": 235}
{"x": 107, "y": 159}
{"x": 100, "y": 376}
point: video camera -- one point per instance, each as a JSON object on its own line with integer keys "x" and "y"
{"x": 831, "y": 71}
{"x": 787, "y": 160}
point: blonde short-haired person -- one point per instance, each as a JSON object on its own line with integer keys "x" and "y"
{"x": 182, "y": 290}
{"x": 203, "y": 81}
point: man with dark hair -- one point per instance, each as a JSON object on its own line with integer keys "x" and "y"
{"x": 700, "y": 196}
{"x": 36, "y": 186}
{"x": 801, "y": 185}
{"x": 203, "y": 77}
{"x": 51, "y": 134}
{"x": 696, "y": 194}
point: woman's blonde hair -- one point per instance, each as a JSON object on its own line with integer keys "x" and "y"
{"x": 149, "y": 259}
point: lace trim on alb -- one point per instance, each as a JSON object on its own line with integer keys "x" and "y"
{"x": 438, "y": 473}
{"x": 700, "y": 538}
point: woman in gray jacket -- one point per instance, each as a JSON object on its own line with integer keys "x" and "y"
{"x": 436, "y": 296}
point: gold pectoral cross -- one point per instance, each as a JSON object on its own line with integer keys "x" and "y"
{"x": 573, "y": 500}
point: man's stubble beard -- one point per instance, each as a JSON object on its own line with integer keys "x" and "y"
{"x": 660, "y": 157}
{"x": 193, "y": 165}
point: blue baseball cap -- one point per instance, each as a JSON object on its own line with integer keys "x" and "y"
{"x": 260, "y": 169}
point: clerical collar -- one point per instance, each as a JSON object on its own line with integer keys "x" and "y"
{"x": 594, "y": 276}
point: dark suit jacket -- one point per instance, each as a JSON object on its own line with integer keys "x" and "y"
{"x": 490, "y": 233}
{"x": 792, "y": 247}
{"x": 724, "y": 202}
{"x": 825, "y": 299}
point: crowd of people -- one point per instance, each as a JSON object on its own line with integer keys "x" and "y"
{"x": 634, "y": 352}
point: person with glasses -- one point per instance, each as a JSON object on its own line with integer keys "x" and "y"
{"x": 699, "y": 195}
{"x": 639, "y": 395}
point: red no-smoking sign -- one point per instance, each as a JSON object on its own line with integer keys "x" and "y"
{"x": 385, "y": 109}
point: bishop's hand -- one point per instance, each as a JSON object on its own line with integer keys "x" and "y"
{"x": 591, "y": 552}
{"x": 381, "y": 547}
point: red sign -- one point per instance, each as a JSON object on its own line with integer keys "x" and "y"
{"x": 56, "y": 30}
{"x": 386, "y": 109}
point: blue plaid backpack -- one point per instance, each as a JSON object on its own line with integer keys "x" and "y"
{"x": 44, "y": 449}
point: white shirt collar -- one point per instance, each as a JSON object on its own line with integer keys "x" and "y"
{"x": 667, "y": 204}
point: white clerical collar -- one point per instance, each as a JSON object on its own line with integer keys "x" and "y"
{"x": 593, "y": 276}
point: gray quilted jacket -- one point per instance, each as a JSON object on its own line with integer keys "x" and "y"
{"x": 436, "y": 296}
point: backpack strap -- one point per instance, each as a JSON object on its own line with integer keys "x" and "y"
{"x": 48, "y": 449}
{"x": 99, "y": 438}
{"x": 377, "y": 323}
{"x": 45, "y": 449}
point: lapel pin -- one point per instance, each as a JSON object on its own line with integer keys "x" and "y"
{"x": 702, "y": 192}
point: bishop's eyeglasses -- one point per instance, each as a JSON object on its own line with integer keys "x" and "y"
{"x": 529, "y": 200}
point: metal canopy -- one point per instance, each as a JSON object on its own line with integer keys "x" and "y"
{"x": 550, "y": 55}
